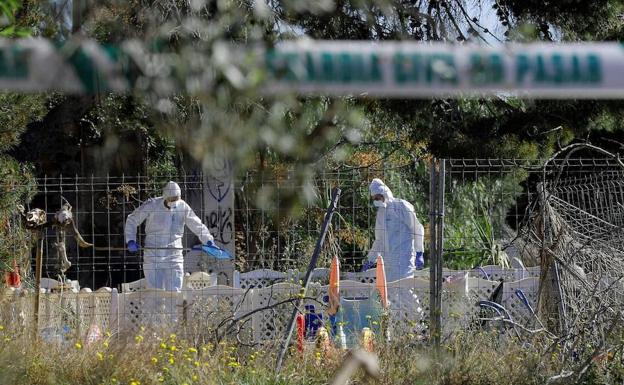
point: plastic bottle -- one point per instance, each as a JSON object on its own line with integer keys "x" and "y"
{"x": 341, "y": 338}
{"x": 323, "y": 342}
{"x": 367, "y": 339}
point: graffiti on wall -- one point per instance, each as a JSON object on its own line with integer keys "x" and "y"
{"x": 219, "y": 202}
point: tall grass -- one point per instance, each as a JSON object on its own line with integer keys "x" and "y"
{"x": 151, "y": 358}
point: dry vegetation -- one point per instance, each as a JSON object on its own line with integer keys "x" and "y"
{"x": 150, "y": 358}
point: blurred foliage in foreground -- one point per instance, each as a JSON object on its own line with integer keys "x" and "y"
{"x": 220, "y": 113}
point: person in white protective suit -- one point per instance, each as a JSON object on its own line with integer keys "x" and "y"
{"x": 165, "y": 218}
{"x": 398, "y": 234}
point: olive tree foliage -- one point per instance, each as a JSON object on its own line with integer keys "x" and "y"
{"x": 17, "y": 182}
{"x": 206, "y": 95}
{"x": 200, "y": 95}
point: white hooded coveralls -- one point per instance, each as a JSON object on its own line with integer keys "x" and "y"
{"x": 164, "y": 228}
{"x": 399, "y": 235}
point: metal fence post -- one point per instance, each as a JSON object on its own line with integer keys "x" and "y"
{"x": 436, "y": 227}
{"x": 440, "y": 244}
{"x": 433, "y": 264}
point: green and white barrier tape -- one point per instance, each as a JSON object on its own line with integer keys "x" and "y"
{"x": 376, "y": 69}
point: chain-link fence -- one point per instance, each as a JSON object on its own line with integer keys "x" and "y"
{"x": 538, "y": 239}
{"x": 272, "y": 221}
{"x": 541, "y": 230}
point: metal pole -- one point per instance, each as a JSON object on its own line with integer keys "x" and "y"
{"x": 433, "y": 263}
{"x": 439, "y": 246}
{"x": 436, "y": 226}
{"x": 308, "y": 275}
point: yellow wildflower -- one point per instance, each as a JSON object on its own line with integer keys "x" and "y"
{"x": 78, "y": 345}
{"x": 138, "y": 338}
{"x": 1, "y": 327}
{"x": 171, "y": 360}
{"x": 196, "y": 363}
{"x": 154, "y": 360}
{"x": 99, "y": 356}
{"x": 173, "y": 348}
{"x": 163, "y": 345}
{"x": 134, "y": 382}
{"x": 105, "y": 344}
{"x": 192, "y": 350}
{"x": 195, "y": 377}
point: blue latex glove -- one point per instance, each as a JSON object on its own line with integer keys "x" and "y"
{"x": 133, "y": 247}
{"x": 213, "y": 250}
{"x": 367, "y": 265}
{"x": 207, "y": 244}
{"x": 420, "y": 260}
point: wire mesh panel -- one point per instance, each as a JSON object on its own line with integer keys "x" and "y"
{"x": 560, "y": 222}
{"x": 100, "y": 206}
{"x": 582, "y": 235}
{"x": 269, "y": 232}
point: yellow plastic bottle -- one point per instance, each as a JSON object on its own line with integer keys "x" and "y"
{"x": 367, "y": 339}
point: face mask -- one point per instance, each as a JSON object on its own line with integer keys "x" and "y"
{"x": 379, "y": 204}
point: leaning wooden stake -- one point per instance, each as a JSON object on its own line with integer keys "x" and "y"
{"x": 311, "y": 266}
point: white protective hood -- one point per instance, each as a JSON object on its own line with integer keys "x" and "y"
{"x": 171, "y": 190}
{"x": 377, "y": 186}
